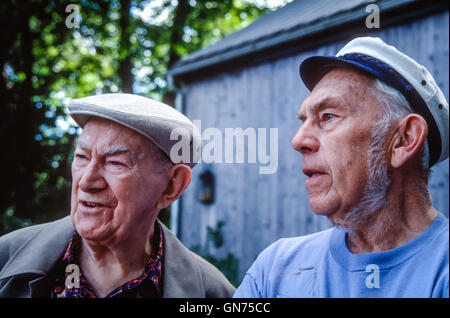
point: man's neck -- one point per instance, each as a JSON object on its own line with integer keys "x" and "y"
{"x": 407, "y": 214}
{"x": 107, "y": 266}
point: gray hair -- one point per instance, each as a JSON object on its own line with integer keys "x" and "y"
{"x": 161, "y": 159}
{"x": 394, "y": 107}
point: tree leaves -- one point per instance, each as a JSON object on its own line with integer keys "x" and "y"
{"x": 45, "y": 64}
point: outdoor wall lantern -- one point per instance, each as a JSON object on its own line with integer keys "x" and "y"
{"x": 206, "y": 193}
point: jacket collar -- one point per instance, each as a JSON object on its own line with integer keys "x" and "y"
{"x": 38, "y": 255}
{"x": 181, "y": 273}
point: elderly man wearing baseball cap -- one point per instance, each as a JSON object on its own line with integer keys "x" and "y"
{"x": 373, "y": 126}
{"x": 112, "y": 244}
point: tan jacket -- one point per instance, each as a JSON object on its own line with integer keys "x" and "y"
{"x": 28, "y": 255}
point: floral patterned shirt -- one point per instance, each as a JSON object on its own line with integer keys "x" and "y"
{"x": 148, "y": 285}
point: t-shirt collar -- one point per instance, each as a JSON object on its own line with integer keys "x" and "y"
{"x": 386, "y": 259}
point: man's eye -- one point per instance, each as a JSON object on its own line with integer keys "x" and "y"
{"x": 80, "y": 156}
{"x": 115, "y": 163}
{"x": 327, "y": 116}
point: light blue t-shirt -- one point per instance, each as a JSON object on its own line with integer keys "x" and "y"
{"x": 321, "y": 265}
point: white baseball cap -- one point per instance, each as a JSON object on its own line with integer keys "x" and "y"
{"x": 150, "y": 118}
{"x": 401, "y": 72}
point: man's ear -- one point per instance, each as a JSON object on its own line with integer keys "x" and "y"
{"x": 179, "y": 178}
{"x": 408, "y": 139}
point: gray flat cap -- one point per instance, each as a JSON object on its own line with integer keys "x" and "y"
{"x": 153, "y": 119}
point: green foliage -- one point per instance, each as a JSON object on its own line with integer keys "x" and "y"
{"x": 10, "y": 222}
{"x": 45, "y": 64}
{"x": 188, "y": 26}
{"x": 215, "y": 234}
{"x": 229, "y": 265}
{"x": 36, "y": 152}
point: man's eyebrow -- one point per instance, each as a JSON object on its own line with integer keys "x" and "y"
{"x": 325, "y": 102}
{"x": 80, "y": 144}
{"x": 116, "y": 151}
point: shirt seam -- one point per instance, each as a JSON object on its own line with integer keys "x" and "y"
{"x": 335, "y": 259}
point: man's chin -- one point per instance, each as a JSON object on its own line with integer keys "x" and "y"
{"x": 336, "y": 214}
{"x": 95, "y": 229}
{"x": 321, "y": 207}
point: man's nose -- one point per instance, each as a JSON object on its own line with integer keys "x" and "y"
{"x": 304, "y": 140}
{"x": 92, "y": 179}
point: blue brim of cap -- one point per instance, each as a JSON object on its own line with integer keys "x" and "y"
{"x": 314, "y": 68}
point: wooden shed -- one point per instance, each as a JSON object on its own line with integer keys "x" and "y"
{"x": 250, "y": 79}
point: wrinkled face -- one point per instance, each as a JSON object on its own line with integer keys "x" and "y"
{"x": 337, "y": 120}
{"x": 115, "y": 184}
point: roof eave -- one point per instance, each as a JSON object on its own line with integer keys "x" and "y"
{"x": 182, "y": 68}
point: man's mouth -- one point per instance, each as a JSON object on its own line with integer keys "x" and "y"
{"x": 91, "y": 204}
{"x": 312, "y": 173}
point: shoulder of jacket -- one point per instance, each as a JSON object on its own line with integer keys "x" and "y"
{"x": 215, "y": 282}
{"x": 21, "y": 235}
{"x": 18, "y": 237}
{"x": 202, "y": 274}
{"x": 14, "y": 241}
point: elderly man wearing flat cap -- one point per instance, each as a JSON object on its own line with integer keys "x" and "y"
{"x": 373, "y": 126}
{"x": 113, "y": 245}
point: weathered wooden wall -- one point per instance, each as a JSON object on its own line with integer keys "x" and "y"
{"x": 259, "y": 209}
